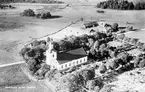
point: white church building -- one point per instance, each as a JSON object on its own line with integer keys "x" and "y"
{"x": 65, "y": 60}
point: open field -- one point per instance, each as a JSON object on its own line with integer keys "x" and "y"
{"x": 13, "y": 79}
{"x": 12, "y": 75}
{"x": 19, "y": 29}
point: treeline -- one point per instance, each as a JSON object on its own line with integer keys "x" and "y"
{"x": 30, "y": 1}
{"x": 6, "y": 6}
{"x": 121, "y": 5}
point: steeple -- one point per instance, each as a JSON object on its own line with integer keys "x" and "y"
{"x": 51, "y": 54}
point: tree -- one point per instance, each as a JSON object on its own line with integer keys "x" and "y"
{"x": 37, "y": 53}
{"x": 137, "y": 6}
{"x": 112, "y": 64}
{"x": 87, "y": 74}
{"x": 112, "y": 53}
{"x": 121, "y": 37}
{"x": 127, "y": 39}
{"x": 44, "y": 68}
{"x": 124, "y": 58}
{"x": 28, "y": 12}
{"x": 131, "y": 6}
{"x": 134, "y": 41}
{"x": 97, "y": 35}
{"x": 106, "y": 88}
{"x": 115, "y": 27}
{"x": 121, "y": 5}
{"x": 32, "y": 66}
{"x": 136, "y": 61}
{"x": 102, "y": 68}
{"x": 56, "y": 46}
{"x": 35, "y": 43}
{"x": 76, "y": 83}
{"x": 142, "y": 63}
{"x": 96, "y": 45}
{"x": 102, "y": 47}
{"x": 143, "y": 48}
{"x": 24, "y": 51}
{"x": 43, "y": 15}
{"x": 65, "y": 45}
{"x": 95, "y": 84}
{"x": 91, "y": 42}
{"x": 139, "y": 45}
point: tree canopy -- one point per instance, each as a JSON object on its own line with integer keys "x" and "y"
{"x": 121, "y": 5}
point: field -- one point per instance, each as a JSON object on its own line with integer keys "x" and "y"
{"x": 17, "y": 29}
{"x": 13, "y": 79}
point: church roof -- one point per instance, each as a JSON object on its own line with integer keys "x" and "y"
{"x": 65, "y": 57}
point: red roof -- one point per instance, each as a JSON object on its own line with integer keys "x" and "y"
{"x": 65, "y": 57}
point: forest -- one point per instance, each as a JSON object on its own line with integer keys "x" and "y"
{"x": 121, "y": 5}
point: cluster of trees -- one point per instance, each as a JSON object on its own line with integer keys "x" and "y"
{"x": 79, "y": 81}
{"x": 121, "y": 5}
{"x": 2, "y": 6}
{"x": 31, "y": 1}
{"x": 99, "y": 48}
{"x": 120, "y": 63}
{"x": 31, "y": 13}
{"x": 94, "y": 44}
{"x": 133, "y": 41}
{"x": 34, "y": 57}
{"x": 139, "y": 61}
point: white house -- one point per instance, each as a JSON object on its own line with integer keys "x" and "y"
{"x": 65, "y": 60}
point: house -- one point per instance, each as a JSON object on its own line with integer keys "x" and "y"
{"x": 90, "y": 24}
{"x": 65, "y": 60}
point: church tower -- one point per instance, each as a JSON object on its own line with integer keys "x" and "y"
{"x": 51, "y": 54}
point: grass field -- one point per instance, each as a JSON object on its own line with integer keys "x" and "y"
{"x": 13, "y": 79}
{"x": 12, "y": 75}
{"x": 21, "y": 29}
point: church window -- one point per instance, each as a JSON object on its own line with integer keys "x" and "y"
{"x": 65, "y": 65}
{"x": 69, "y": 64}
{"x": 80, "y": 61}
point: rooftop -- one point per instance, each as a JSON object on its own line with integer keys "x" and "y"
{"x": 65, "y": 57}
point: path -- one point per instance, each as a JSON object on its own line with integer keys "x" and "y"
{"x": 5, "y": 65}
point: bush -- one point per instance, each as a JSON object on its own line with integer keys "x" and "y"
{"x": 28, "y": 12}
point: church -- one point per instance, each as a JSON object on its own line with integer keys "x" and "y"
{"x": 65, "y": 60}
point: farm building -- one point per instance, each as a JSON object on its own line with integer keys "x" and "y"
{"x": 90, "y": 24}
{"x": 65, "y": 60}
